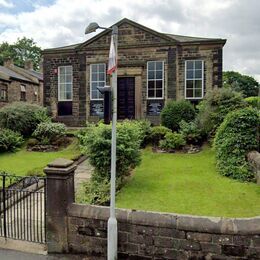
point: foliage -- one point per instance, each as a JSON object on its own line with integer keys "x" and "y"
{"x": 95, "y": 142}
{"x": 9, "y": 140}
{"x": 187, "y": 184}
{"x": 22, "y": 117}
{"x": 216, "y": 105}
{"x": 158, "y": 133}
{"x": 172, "y": 141}
{"x": 48, "y": 132}
{"x": 247, "y": 85}
{"x": 253, "y": 101}
{"x": 191, "y": 132}
{"x": 235, "y": 137}
{"x": 145, "y": 131}
{"x": 175, "y": 111}
{"x": 22, "y": 50}
{"x": 23, "y": 161}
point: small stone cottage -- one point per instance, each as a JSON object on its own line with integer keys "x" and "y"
{"x": 153, "y": 68}
{"x": 20, "y": 84}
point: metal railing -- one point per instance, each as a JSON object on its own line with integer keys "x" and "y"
{"x": 22, "y": 207}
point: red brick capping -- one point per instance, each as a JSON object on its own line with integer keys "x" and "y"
{"x": 152, "y": 235}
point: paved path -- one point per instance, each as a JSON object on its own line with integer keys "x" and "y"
{"x": 6, "y": 254}
{"x": 82, "y": 173}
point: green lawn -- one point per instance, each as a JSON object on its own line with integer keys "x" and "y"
{"x": 187, "y": 184}
{"x": 23, "y": 161}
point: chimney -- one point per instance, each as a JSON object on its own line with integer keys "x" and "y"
{"x": 28, "y": 65}
{"x": 8, "y": 63}
{"x": 41, "y": 66}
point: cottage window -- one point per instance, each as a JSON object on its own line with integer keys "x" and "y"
{"x": 155, "y": 79}
{"x": 65, "y": 83}
{"x": 97, "y": 79}
{"x": 23, "y": 93}
{"x": 3, "y": 95}
{"x": 194, "y": 83}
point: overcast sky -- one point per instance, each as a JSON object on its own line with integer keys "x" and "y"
{"x": 53, "y": 23}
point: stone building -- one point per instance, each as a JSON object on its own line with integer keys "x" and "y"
{"x": 153, "y": 68}
{"x": 20, "y": 84}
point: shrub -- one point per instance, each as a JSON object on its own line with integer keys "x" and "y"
{"x": 172, "y": 141}
{"x": 47, "y": 132}
{"x": 191, "y": 132}
{"x": 145, "y": 131}
{"x": 253, "y": 102}
{"x": 216, "y": 105}
{"x": 95, "y": 142}
{"x": 158, "y": 133}
{"x": 9, "y": 140}
{"x": 22, "y": 117}
{"x": 235, "y": 137}
{"x": 176, "y": 111}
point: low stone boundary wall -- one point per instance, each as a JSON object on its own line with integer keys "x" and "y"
{"x": 150, "y": 235}
{"x": 254, "y": 162}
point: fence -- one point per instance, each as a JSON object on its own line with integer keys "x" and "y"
{"x": 22, "y": 207}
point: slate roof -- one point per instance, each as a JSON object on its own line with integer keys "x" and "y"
{"x": 8, "y": 73}
{"x": 12, "y": 74}
{"x": 184, "y": 38}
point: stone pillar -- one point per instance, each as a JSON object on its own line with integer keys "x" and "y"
{"x": 60, "y": 194}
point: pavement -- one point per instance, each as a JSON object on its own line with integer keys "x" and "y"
{"x": 6, "y": 254}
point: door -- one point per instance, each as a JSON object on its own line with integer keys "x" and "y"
{"x": 126, "y": 98}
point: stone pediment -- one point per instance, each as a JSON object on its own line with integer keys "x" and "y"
{"x": 129, "y": 34}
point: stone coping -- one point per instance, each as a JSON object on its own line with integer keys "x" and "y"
{"x": 216, "y": 225}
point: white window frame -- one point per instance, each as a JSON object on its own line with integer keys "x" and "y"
{"x": 147, "y": 80}
{"x": 96, "y": 99}
{"x": 60, "y": 99}
{"x": 202, "y": 79}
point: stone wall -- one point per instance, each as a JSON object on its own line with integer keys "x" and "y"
{"x": 254, "y": 162}
{"x": 14, "y": 92}
{"x": 50, "y": 66}
{"x": 136, "y": 47}
{"x": 148, "y": 235}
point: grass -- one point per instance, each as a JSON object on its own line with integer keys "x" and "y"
{"x": 22, "y": 161}
{"x": 187, "y": 184}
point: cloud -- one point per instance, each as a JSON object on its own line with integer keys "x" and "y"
{"x": 6, "y": 4}
{"x": 63, "y": 22}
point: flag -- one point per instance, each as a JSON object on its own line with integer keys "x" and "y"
{"x": 112, "y": 62}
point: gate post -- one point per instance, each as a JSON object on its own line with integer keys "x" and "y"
{"x": 59, "y": 195}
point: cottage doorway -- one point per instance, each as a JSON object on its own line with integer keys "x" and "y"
{"x": 126, "y": 98}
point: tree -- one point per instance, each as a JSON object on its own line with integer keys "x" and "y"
{"x": 23, "y": 49}
{"x": 247, "y": 85}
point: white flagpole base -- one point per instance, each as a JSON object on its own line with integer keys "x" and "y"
{"x": 112, "y": 239}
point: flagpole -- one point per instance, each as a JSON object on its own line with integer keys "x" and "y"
{"x": 112, "y": 222}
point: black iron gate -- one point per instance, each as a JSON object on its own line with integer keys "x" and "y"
{"x": 22, "y": 207}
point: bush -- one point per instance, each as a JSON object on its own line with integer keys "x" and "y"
{"x": 191, "y": 132}
{"x": 9, "y": 140}
{"x": 95, "y": 142}
{"x": 216, "y": 105}
{"x": 253, "y": 102}
{"x": 145, "y": 131}
{"x": 47, "y": 132}
{"x": 236, "y": 136}
{"x": 172, "y": 141}
{"x": 176, "y": 111}
{"x": 158, "y": 133}
{"x": 22, "y": 117}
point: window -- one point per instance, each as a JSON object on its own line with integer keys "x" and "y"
{"x": 194, "y": 85}
{"x": 3, "y": 95}
{"x": 97, "y": 79}
{"x": 23, "y": 93}
{"x": 65, "y": 83}
{"x": 155, "y": 79}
